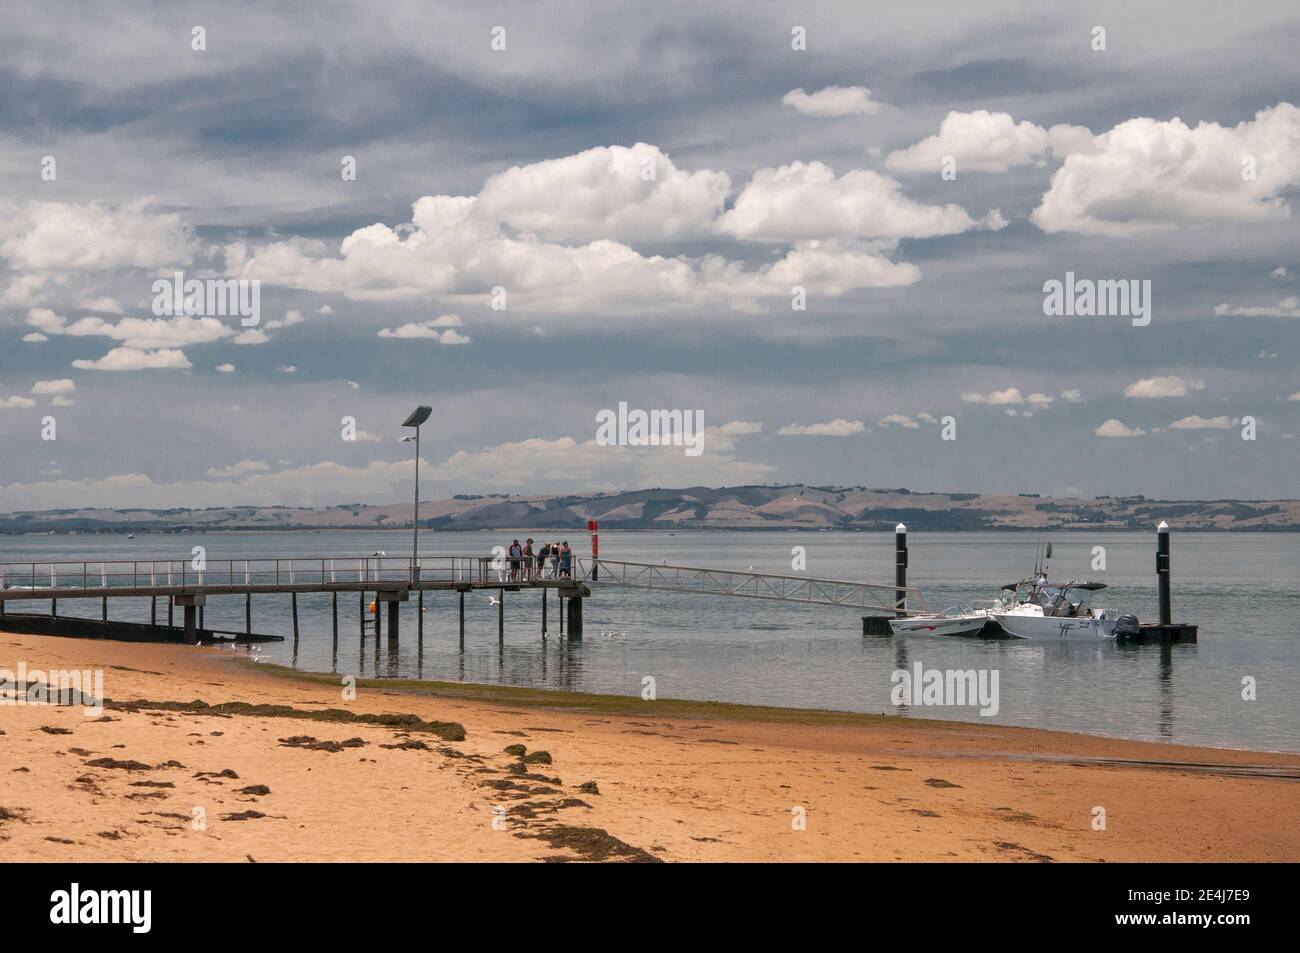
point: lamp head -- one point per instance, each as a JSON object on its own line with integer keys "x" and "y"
{"x": 418, "y": 416}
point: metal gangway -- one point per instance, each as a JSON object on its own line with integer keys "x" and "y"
{"x": 752, "y": 585}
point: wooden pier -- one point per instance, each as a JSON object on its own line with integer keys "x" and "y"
{"x": 188, "y": 584}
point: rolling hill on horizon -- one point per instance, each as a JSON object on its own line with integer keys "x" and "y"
{"x": 793, "y": 507}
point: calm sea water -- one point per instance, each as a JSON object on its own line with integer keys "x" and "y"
{"x": 1242, "y": 589}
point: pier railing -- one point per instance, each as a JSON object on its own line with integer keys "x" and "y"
{"x": 753, "y": 585}
{"x": 38, "y": 579}
{"x": 57, "y": 579}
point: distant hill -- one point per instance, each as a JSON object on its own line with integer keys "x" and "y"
{"x": 737, "y": 507}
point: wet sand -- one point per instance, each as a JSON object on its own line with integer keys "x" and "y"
{"x": 171, "y": 770}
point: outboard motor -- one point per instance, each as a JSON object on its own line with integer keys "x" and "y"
{"x": 1127, "y": 626}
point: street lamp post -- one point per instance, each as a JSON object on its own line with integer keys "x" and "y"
{"x": 418, "y": 416}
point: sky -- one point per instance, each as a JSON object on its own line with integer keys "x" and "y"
{"x": 828, "y": 231}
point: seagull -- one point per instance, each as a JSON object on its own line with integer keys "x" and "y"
{"x": 379, "y": 552}
{"x": 493, "y": 601}
{"x": 610, "y": 635}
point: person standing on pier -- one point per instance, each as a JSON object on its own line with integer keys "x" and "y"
{"x": 543, "y": 554}
{"x": 528, "y": 559}
{"x": 566, "y": 561}
{"x": 555, "y": 560}
{"x": 516, "y": 556}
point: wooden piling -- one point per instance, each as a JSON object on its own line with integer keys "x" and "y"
{"x": 103, "y": 611}
{"x": 543, "y": 612}
{"x": 462, "y": 619}
{"x": 501, "y": 616}
{"x": 361, "y": 608}
{"x": 575, "y": 618}
{"x": 900, "y": 570}
{"x": 419, "y": 620}
{"x": 54, "y": 607}
{"x": 170, "y": 606}
{"x": 393, "y": 617}
{"x": 191, "y": 631}
{"x": 1162, "y": 573}
{"x": 561, "y": 615}
{"x": 248, "y": 614}
{"x": 334, "y": 616}
{"x": 153, "y": 610}
{"x": 293, "y": 598}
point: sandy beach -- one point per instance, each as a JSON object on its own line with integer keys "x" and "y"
{"x": 189, "y": 762}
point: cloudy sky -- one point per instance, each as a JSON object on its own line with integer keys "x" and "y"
{"x": 827, "y": 227}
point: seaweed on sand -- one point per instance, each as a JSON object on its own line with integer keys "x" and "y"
{"x": 591, "y": 843}
{"x": 446, "y": 730}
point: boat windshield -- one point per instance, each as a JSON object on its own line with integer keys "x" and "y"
{"x": 1066, "y": 600}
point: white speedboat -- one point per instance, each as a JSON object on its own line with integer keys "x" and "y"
{"x": 1048, "y": 612}
{"x": 959, "y": 620}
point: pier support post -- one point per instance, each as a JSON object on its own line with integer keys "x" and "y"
{"x": 1162, "y": 573}
{"x": 544, "y": 612}
{"x": 393, "y": 598}
{"x": 900, "y": 570}
{"x": 170, "y": 604}
{"x": 192, "y": 603}
{"x": 575, "y": 618}
{"x": 561, "y": 615}
{"x": 200, "y": 617}
{"x": 153, "y": 610}
{"x": 248, "y": 614}
{"x": 103, "y": 611}
{"x": 361, "y": 609}
{"x": 334, "y": 617}
{"x": 462, "y": 619}
{"x": 501, "y": 616}
{"x": 419, "y": 620}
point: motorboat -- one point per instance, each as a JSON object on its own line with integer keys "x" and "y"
{"x": 1056, "y": 612}
{"x": 957, "y": 620}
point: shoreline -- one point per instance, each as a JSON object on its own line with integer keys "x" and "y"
{"x": 284, "y": 767}
{"x": 605, "y": 703}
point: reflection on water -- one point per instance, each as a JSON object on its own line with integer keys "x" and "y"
{"x": 1240, "y": 588}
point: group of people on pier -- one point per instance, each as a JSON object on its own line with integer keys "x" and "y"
{"x": 548, "y": 561}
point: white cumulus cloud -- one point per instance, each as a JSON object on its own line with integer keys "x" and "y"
{"x": 839, "y": 427}
{"x": 833, "y": 101}
{"x": 807, "y": 200}
{"x": 1116, "y": 428}
{"x": 1170, "y": 385}
{"x": 983, "y": 141}
{"x": 1147, "y": 174}
{"x": 133, "y": 359}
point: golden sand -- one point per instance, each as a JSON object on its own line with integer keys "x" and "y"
{"x": 675, "y": 781}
